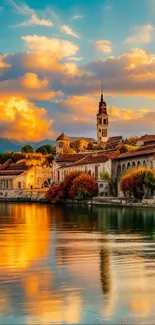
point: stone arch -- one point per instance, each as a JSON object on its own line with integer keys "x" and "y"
{"x": 124, "y": 169}
{"x": 128, "y": 165}
{"x": 144, "y": 163}
{"x": 19, "y": 185}
{"x": 133, "y": 164}
{"x": 138, "y": 164}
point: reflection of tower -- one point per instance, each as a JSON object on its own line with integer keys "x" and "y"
{"x": 102, "y": 120}
{"x": 105, "y": 270}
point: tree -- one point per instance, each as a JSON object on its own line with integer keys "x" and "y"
{"x": 84, "y": 187}
{"x": 27, "y": 148}
{"x": 105, "y": 176}
{"x": 136, "y": 181}
{"x": 47, "y": 149}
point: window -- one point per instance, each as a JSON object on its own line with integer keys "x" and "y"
{"x": 105, "y": 121}
{"x": 104, "y": 133}
{"x": 60, "y": 144}
{"x": 19, "y": 185}
{"x": 101, "y": 185}
{"x": 100, "y": 120}
{"x": 96, "y": 172}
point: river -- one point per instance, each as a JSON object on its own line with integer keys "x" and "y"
{"x": 76, "y": 265}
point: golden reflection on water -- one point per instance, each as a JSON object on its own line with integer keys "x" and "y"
{"x": 55, "y": 268}
{"x": 26, "y": 239}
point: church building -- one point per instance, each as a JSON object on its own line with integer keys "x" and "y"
{"x": 102, "y": 121}
{"x": 63, "y": 141}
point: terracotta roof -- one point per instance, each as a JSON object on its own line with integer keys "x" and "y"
{"x": 18, "y": 166}
{"x": 83, "y": 138}
{"x": 89, "y": 159}
{"x": 114, "y": 143}
{"x": 11, "y": 172}
{"x": 147, "y": 138}
{"x": 62, "y": 136}
{"x": 146, "y": 150}
{"x": 70, "y": 157}
{"x": 6, "y": 164}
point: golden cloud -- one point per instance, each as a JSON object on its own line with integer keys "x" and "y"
{"x": 18, "y": 115}
{"x": 31, "y": 80}
{"x": 59, "y": 48}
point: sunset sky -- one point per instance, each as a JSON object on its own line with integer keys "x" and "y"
{"x": 53, "y": 56}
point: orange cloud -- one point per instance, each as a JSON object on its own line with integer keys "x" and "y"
{"x": 31, "y": 80}
{"x": 20, "y": 119}
{"x": 28, "y": 86}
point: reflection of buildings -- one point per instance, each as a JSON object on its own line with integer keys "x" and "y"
{"x": 105, "y": 270}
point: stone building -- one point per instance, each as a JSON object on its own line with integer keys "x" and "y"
{"x": 94, "y": 165}
{"x": 32, "y": 172}
{"x": 143, "y": 157}
{"x": 63, "y": 142}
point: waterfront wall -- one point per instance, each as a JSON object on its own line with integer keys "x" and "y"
{"x": 23, "y": 195}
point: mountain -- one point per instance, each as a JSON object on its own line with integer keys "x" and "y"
{"x": 14, "y": 146}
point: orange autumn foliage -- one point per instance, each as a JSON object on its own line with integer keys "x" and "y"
{"x": 135, "y": 181}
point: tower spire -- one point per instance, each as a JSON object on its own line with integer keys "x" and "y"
{"x": 101, "y": 91}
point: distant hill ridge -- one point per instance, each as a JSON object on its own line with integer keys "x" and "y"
{"x": 14, "y": 146}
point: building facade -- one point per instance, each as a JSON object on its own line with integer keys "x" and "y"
{"x": 33, "y": 172}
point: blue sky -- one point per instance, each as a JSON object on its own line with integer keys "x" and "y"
{"x": 54, "y": 55}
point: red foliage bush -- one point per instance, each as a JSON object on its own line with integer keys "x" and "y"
{"x": 55, "y": 193}
{"x": 68, "y": 181}
{"x": 84, "y": 186}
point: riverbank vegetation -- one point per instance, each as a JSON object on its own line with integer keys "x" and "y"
{"x": 76, "y": 184}
{"x": 138, "y": 182}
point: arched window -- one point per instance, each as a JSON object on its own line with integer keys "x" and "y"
{"x": 144, "y": 163}
{"x": 128, "y": 165}
{"x": 138, "y": 164}
{"x": 133, "y": 165}
{"x": 124, "y": 168}
{"x": 19, "y": 185}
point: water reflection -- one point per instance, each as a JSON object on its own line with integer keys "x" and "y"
{"x": 76, "y": 265}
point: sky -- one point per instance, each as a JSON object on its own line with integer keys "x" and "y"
{"x": 54, "y": 55}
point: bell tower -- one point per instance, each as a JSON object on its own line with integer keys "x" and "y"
{"x": 102, "y": 120}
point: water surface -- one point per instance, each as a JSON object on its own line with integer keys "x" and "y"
{"x": 76, "y": 265}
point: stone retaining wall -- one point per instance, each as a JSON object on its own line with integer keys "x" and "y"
{"x": 23, "y": 195}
